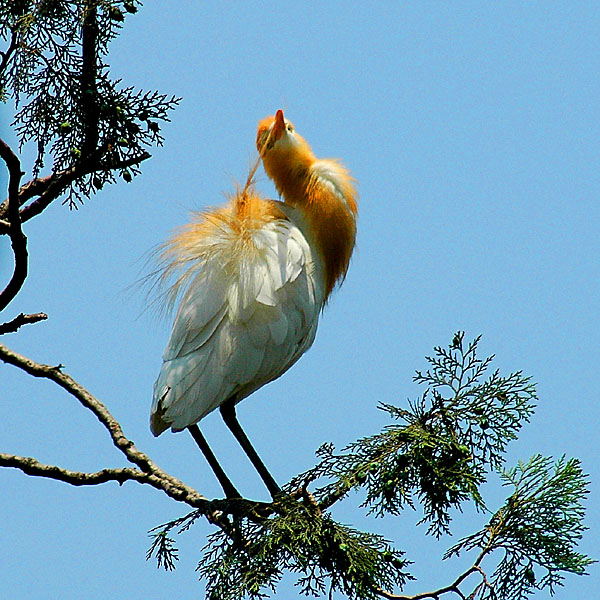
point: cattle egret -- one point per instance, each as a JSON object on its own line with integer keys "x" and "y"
{"x": 253, "y": 277}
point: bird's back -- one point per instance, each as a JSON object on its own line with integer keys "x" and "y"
{"x": 252, "y": 292}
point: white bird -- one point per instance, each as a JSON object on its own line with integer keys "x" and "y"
{"x": 253, "y": 277}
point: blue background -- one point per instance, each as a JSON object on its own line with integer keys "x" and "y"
{"x": 472, "y": 129}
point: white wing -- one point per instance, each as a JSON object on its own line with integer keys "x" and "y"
{"x": 244, "y": 320}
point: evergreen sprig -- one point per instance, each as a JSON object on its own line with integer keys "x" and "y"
{"x": 537, "y": 528}
{"x": 326, "y": 556}
{"x": 446, "y": 443}
{"x": 164, "y": 549}
{"x": 486, "y": 414}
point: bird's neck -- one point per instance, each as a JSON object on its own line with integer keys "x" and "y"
{"x": 323, "y": 191}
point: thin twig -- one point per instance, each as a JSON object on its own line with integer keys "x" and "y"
{"x": 452, "y": 588}
{"x": 20, "y": 320}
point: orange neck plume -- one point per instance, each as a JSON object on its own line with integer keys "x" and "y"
{"x": 324, "y": 191}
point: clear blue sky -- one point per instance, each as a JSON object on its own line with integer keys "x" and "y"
{"x": 473, "y": 130}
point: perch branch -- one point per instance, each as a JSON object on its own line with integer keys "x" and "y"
{"x": 148, "y": 472}
{"x": 153, "y": 474}
{"x": 31, "y": 466}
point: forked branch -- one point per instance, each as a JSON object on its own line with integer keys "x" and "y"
{"x": 147, "y": 471}
{"x": 453, "y": 588}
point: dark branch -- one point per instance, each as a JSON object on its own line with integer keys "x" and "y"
{"x": 17, "y": 237}
{"x": 62, "y": 181}
{"x": 52, "y": 186}
{"x": 28, "y": 190}
{"x": 9, "y": 51}
{"x": 89, "y": 73}
{"x": 214, "y": 510}
{"x": 20, "y": 320}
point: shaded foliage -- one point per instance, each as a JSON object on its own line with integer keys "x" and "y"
{"x": 67, "y": 105}
{"x": 326, "y": 556}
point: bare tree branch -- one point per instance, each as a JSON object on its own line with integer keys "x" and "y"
{"x": 31, "y": 466}
{"x": 215, "y": 511}
{"x": 17, "y": 237}
{"x": 148, "y": 472}
{"x": 20, "y": 320}
{"x": 50, "y": 187}
{"x": 85, "y": 398}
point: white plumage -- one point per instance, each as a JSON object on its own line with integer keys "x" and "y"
{"x": 247, "y": 315}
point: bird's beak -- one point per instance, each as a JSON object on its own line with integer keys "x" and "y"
{"x": 278, "y": 126}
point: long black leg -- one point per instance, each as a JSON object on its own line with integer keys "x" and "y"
{"x": 228, "y": 487}
{"x": 230, "y": 418}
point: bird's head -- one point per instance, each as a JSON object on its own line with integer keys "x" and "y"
{"x": 276, "y": 131}
{"x": 280, "y": 145}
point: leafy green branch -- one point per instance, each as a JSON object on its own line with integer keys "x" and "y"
{"x": 537, "y": 528}
{"x": 438, "y": 456}
{"x": 69, "y": 109}
{"x": 297, "y": 537}
{"x": 442, "y": 449}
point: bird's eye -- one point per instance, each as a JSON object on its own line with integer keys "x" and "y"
{"x": 290, "y": 128}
